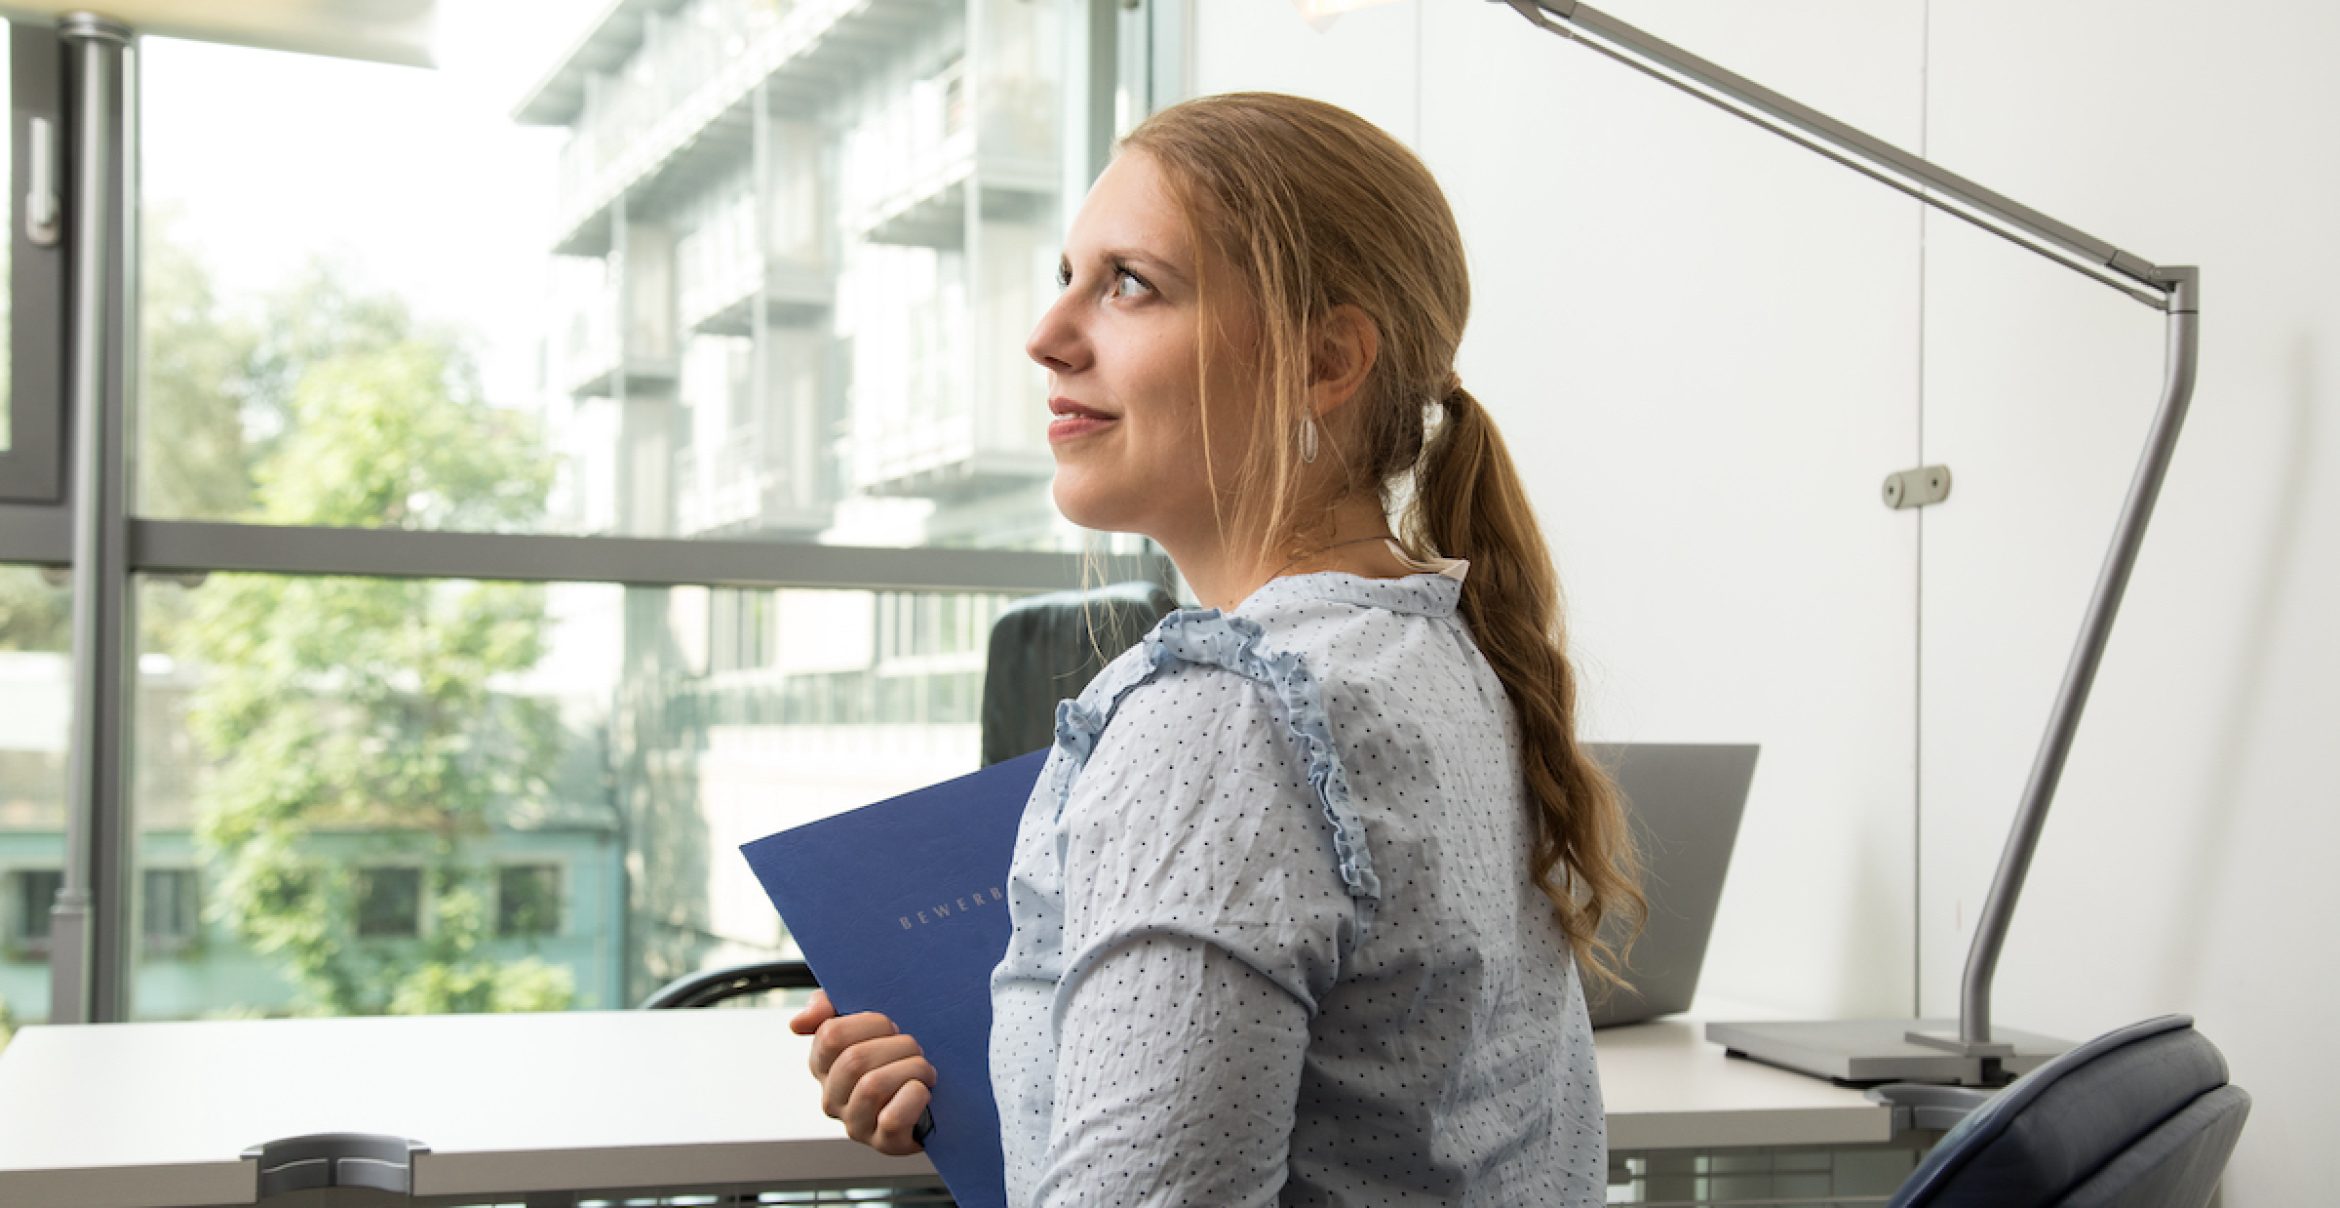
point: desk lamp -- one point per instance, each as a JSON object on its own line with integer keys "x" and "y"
{"x": 1967, "y": 1052}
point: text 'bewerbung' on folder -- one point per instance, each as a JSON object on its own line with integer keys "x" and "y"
{"x": 901, "y": 908}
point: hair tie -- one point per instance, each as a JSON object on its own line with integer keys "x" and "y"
{"x": 1453, "y": 396}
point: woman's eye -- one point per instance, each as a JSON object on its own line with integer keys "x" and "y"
{"x": 1063, "y": 276}
{"x": 1127, "y": 284}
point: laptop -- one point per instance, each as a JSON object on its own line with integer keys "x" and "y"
{"x": 1685, "y": 801}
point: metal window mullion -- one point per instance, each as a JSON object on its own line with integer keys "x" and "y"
{"x": 199, "y": 547}
{"x": 38, "y": 535}
{"x": 1091, "y": 51}
{"x": 87, "y": 961}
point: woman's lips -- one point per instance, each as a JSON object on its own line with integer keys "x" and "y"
{"x": 1073, "y": 427}
{"x": 1073, "y": 420}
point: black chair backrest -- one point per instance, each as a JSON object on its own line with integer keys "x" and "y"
{"x": 2141, "y": 1117}
{"x": 1046, "y": 648}
{"x": 710, "y": 986}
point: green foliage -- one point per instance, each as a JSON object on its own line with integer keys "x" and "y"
{"x": 360, "y": 720}
{"x": 33, "y": 614}
{"x": 196, "y": 387}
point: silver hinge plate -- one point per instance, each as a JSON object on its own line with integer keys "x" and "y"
{"x": 1917, "y": 488}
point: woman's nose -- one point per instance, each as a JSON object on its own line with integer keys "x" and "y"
{"x": 1055, "y": 341}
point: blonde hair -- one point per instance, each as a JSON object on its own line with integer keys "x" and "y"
{"x": 1314, "y": 208}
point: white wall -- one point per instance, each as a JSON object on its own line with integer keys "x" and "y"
{"x": 2186, "y": 865}
{"x": 1707, "y": 347}
{"x": 1700, "y": 344}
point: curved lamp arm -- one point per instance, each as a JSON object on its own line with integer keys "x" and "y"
{"x": 2175, "y": 290}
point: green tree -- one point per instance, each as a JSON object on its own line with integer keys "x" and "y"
{"x": 197, "y": 388}
{"x": 362, "y": 721}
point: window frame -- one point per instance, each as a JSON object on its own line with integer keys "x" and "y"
{"x": 365, "y": 878}
{"x": 31, "y": 466}
{"x": 21, "y": 938}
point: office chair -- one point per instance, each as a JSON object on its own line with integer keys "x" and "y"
{"x": 1043, "y": 648}
{"x": 710, "y": 986}
{"x": 1048, "y": 647}
{"x": 2140, "y": 1117}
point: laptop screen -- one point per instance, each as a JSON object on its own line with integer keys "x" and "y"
{"x": 1685, "y": 801}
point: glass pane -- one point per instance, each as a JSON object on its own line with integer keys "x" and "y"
{"x": 36, "y": 709}
{"x": 723, "y": 268}
{"x": 362, "y": 796}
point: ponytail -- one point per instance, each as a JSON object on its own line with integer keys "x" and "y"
{"x": 1314, "y": 208}
{"x": 1468, "y": 503}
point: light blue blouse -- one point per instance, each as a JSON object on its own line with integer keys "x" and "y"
{"x": 1275, "y": 940}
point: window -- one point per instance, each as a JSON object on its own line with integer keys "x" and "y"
{"x": 34, "y": 893}
{"x": 168, "y": 911}
{"x": 588, "y": 761}
{"x": 36, "y": 707}
{"x": 777, "y": 304}
{"x": 528, "y": 899}
{"x": 389, "y": 902}
{"x": 767, "y": 325}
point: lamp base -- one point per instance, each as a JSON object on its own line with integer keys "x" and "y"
{"x": 1867, "y": 1052}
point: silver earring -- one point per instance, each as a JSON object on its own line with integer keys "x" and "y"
{"x": 1307, "y": 440}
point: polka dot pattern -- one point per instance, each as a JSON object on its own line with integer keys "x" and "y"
{"x": 1203, "y": 1003}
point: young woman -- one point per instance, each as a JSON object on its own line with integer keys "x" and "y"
{"x": 1302, "y": 898}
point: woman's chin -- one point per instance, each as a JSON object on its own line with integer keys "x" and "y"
{"x": 1090, "y": 508}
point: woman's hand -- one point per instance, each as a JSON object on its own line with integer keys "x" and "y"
{"x": 873, "y": 1078}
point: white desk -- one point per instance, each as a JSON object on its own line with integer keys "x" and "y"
{"x": 158, "y": 1115}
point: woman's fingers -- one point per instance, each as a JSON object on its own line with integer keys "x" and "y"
{"x": 860, "y": 1064}
{"x": 897, "y": 1121}
{"x": 873, "y": 1079}
{"x": 883, "y": 1105}
{"x": 839, "y": 1033}
{"x": 815, "y": 1013}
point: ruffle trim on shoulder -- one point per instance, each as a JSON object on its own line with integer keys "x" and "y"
{"x": 1079, "y": 722}
{"x": 1211, "y": 638}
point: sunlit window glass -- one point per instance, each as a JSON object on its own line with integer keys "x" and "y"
{"x": 719, "y": 268}
{"x": 36, "y": 705}
{"x": 388, "y": 795}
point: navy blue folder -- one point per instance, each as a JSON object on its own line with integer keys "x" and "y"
{"x": 901, "y": 908}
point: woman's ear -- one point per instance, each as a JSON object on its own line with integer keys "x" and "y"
{"x": 1347, "y": 344}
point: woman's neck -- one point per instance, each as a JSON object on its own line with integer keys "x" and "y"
{"x": 1225, "y": 571}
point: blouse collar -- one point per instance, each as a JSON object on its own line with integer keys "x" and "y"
{"x": 1432, "y": 590}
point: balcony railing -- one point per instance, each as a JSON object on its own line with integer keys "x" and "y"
{"x": 676, "y": 112}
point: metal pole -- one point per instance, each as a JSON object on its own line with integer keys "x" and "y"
{"x": 1982, "y": 959}
{"x": 97, "y": 44}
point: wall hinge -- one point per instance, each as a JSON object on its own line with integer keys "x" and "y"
{"x": 1917, "y": 488}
